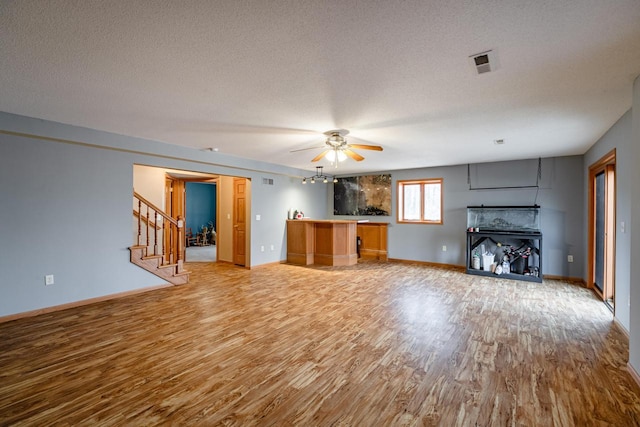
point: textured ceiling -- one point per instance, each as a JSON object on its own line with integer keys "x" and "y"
{"x": 258, "y": 79}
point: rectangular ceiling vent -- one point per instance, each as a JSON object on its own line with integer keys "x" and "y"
{"x": 484, "y": 62}
{"x": 267, "y": 181}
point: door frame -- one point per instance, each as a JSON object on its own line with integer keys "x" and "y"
{"x": 181, "y": 198}
{"x": 606, "y": 164}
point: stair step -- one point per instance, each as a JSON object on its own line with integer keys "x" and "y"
{"x": 167, "y": 265}
{"x": 146, "y": 257}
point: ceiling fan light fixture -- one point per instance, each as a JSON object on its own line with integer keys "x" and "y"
{"x": 331, "y": 156}
{"x": 336, "y": 139}
{"x": 336, "y": 154}
{"x": 337, "y": 149}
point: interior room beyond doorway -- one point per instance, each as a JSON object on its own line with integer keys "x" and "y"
{"x": 201, "y": 221}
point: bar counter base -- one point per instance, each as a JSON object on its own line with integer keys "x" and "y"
{"x": 324, "y": 242}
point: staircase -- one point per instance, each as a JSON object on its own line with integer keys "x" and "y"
{"x": 159, "y": 244}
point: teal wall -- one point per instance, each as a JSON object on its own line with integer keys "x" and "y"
{"x": 201, "y": 205}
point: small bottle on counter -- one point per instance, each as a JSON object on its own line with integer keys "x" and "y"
{"x": 475, "y": 261}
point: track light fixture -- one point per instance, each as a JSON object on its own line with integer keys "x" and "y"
{"x": 319, "y": 176}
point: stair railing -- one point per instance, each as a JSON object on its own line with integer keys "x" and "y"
{"x": 161, "y": 234}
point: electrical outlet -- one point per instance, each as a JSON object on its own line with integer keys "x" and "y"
{"x": 444, "y": 248}
{"x": 261, "y": 248}
{"x": 272, "y": 247}
{"x": 48, "y": 279}
{"x": 569, "y": 258}
{"x": 258, "y": 217}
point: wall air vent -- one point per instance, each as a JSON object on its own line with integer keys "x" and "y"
{"x": 484, "y": 62}
{"x": 267, "y": 181}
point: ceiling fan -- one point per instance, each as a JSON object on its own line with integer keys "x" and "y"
{"x": 337, "y": 149}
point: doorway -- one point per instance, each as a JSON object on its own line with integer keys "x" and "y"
{"x": 201, "y": 221}
{"x": 602, "y": 220}
{"x": 166, "y": 189}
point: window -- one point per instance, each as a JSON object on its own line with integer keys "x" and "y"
{"x": 420, "y": 201}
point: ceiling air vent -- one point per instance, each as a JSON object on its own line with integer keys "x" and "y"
{"x": 484, "y": 62}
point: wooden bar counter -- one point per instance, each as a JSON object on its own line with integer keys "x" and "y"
{"x": 325, "y": 242}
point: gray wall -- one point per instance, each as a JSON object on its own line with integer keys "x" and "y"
{"x": 560, "y": 197}
{"x": 66, "y": 209}
{"x": 618, "y": 137}
{"x": 634, "y": 156}
{"x": 272, "y": 203}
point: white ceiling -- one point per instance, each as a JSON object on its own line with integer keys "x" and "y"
{"x": 258, "y": 79}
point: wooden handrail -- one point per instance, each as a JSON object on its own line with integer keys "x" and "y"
{"x": 155, "y": 208}
{"x": 164, "y": 235}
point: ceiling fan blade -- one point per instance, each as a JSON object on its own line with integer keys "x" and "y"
{"x": 355, "y": 156}
{"x": 319, "y": 156}
{"x": 366, "y": 147}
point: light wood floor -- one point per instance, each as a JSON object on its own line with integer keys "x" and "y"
{"x": 371, "y": 345}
